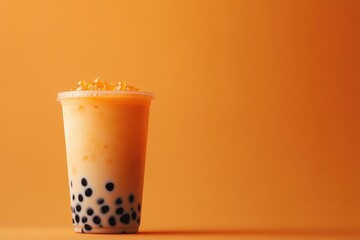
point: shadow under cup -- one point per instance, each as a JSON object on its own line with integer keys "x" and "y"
{"x": 106, "y": 136}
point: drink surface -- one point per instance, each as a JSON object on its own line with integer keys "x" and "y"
{"x": 100, "y": 90}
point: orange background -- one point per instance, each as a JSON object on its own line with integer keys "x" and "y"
{"x": 255, "y": 123}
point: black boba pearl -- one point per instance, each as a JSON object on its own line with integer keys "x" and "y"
{"x": 80, "y": 197}
{"x": 87, "y": 227}
{"x": 71, "y": 183}
{"x": 139, "y": 207}
{"x": 119, "y": 211}
{"x": 84, "y": 182}
{"x": 77, "y": 218}
{"x": 100, "y": 201}
{"x": 73, "y": 197}
{"x": 82, "y": 231}
{"x": 138, "y": 220}
{"x": 78, "y": 208}
{"x": 84, "y": 219}
{"x": 131, "y": 198}
{"x": 112, "y": 221}
{"x": 133, "y": 215}
{"x": 118, "y": 201}
{"x": 73, "y": 220}
{"x": 125, "y": 218}
{"x": 109, "y": 186}
{"x": 90, "y": 211}
{"x": 88, "y": 192}
{"x": 73, "y": 209}
{"x": 97, "y": 220}
{"x": 105, "y": 209}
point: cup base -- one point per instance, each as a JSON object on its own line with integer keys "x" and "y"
{"x": 112, "y": 230}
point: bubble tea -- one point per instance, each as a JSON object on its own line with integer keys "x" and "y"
{"x": 105, "y": 128}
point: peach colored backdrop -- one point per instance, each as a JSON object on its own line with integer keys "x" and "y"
{"x": 255, "y": 122}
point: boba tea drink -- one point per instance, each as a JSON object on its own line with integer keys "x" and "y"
{"x": 105, "y": 134}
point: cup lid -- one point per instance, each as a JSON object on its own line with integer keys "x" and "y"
{"x": 102, "y": 93}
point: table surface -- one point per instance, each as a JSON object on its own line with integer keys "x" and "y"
{"x": 67, "y": 233}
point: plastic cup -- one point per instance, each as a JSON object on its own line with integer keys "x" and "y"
{"x": 105, "y": 137}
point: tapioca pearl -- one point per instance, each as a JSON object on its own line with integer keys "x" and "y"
{"x": 97, "y": 220}
{"x": 131, "y": 198}
{"x": 119, "y": 211}
{"x": 125, "y": 218}
{"x": 139, "y": 207}
{"x": 109, "y": 186}
{"x": 88, "y": 192}
{"x": 77, "y": 218}
{"x": 90, "y": 211}
{"x": 84, "y": 219}
{"x": 83, "y": 182}
{"x": 87, "y": 227}
{"x": 104, "y": 209}
{"x": 133, "y": 215}
{"x": 112, "y": 221}
{"x": 71, "y": 184}
{"x": 100, "y": 201}
{"x": 73, "y": 197}
{"x": 138, "y": 220}
{"x": 80, "y": 197}
{"x": 82, "y": 231}
{"x": 78, "y": 208}
{"x": 118, "y": 201}
{"x": 73, "y": 221}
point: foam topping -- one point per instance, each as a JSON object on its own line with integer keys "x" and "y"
{"x": 100, "y": 85}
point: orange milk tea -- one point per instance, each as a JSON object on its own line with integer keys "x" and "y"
{"x": 105, "y": 128}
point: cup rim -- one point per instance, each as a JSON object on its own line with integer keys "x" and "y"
{"x": 100, "y": 93}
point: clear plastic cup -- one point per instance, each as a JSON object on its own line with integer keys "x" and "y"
{"x": 105, "y": 137}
